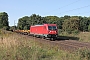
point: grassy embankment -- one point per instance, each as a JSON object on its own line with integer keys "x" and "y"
{"x": 81, "y": 36}
{"x": 16, "y": 47}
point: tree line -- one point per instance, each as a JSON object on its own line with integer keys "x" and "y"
{"x": 65, "y": 23}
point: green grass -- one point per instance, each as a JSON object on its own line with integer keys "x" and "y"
{"x": 81, "y": 36}
{"x": 16, "y": 47}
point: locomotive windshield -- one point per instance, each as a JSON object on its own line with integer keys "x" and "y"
{"x": 52, "y": 27}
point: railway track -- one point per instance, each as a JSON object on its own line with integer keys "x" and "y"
{"x": 67, "y": 45}
{"x": 71, "y": 45}
{"x": 75, "y": 43}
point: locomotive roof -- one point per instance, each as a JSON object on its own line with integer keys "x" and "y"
{"x": 38, "y": 25}
{"x": 43, "y": 24}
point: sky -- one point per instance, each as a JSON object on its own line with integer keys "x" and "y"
{"x": 19, "y": 8}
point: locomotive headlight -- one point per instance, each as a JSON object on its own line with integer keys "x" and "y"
{"x": 49, "y": 31}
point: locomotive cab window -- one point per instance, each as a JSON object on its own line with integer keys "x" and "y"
{"x": 52, "y": 27}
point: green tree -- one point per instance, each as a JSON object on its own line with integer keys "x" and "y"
{"x": 84, "y": 22}
{"x": 59, "y": 24}
{"x": 36, "y": 19}
{"x": 89, "y": 27}
{"x": 52, "y": 19}
{"x": 1, "y": 26}
{"x": 71, "y": 24}
{"x": 4, "y": 20}
{"x": 23, "y": 23}
{"x": 12, "y": 28}
{"x": 66, "y": 17}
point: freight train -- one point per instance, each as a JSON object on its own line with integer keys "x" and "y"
{"x": 44, "y": 31}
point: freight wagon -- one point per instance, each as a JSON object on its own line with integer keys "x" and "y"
{"x": 45, "y": 31}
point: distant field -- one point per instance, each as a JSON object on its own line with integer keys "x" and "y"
{"x": 18, "y": 47}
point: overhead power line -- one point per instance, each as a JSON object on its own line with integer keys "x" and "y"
{"x": 84, "y": 12}
{"x": 69, "y": 4}
{"x": 75, "y": 9}
{"x": 65, "y": 5}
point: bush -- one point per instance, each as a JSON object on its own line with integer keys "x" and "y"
{"x": 75, "y": 32}
{"x": 84, "y": 54}
{"x": 60, "y": 31}
{"x": 69, "y": 31}
{"x": 89, "y": 28}
{"x": 6, "y": 27}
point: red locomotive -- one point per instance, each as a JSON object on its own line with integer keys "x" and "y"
{"x": 45, "y": 31}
